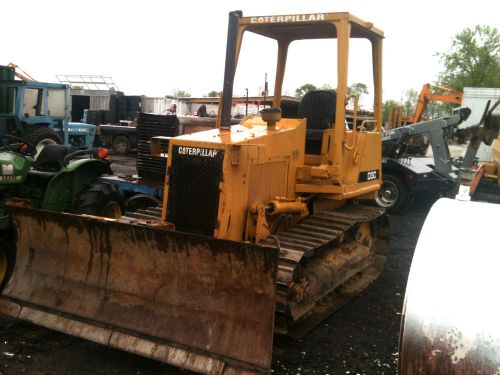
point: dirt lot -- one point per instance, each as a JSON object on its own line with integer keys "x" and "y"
{"x": 361, "y": 338}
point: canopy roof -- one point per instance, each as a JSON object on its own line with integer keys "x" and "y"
{"x": 308, "y": 26}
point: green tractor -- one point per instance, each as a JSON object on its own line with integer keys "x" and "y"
{"x": 58, "y": 180}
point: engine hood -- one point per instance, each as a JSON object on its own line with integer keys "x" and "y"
{"x": 13, "y": 168}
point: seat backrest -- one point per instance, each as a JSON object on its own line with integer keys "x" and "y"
{"x": 51, "y": 158}
{"x": 318, "y": 106}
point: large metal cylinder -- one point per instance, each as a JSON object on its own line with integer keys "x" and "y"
{"x": 452, "y": 305}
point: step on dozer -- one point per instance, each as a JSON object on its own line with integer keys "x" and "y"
{"x": 262, "y": 229}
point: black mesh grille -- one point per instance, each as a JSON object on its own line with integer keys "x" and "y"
{"x": 149, "y": 125}
{"x": 193, "y": 196}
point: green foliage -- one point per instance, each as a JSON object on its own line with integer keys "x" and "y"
{"x": 410, "y": 101}
{"x": 326, "y": 86}
{"x": 304, "y": 89}
{"x": 357, "y": 89}
{"x": 213, "y": 94}
{"x": 181, "y": 94}
{"x": 436, "y": 110}
{"x": 473, "y": 59}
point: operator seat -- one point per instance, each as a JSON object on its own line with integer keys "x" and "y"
{"x": 50, "y": 160}
{"x": 318, "y": 106}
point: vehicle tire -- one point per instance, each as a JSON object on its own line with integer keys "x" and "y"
{"x": 42, "y": 136}
{"x": 100, "y": 199}
{"x": 393, "y": 194}
{"x": 121, "y": 144}
{"x": 141, "y": 201}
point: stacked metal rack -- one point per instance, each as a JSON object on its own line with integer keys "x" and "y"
{"x": 150, "y": 125}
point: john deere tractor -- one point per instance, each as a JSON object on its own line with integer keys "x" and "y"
{"x": 58, "y": 180}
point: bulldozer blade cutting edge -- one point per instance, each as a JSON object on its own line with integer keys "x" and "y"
{"x": 196, "y": 302}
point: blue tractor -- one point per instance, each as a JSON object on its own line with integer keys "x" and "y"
{"x": 40, "y": 112}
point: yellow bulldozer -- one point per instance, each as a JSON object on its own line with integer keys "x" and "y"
{"x": 263, "y": 227}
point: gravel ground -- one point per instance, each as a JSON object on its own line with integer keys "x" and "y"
{"x": 361, "y": 338}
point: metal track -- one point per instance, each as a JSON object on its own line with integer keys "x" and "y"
{"x": 319, "y": 236}
{"x": 142, "y": 215}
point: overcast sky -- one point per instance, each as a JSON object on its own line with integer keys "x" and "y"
{"x": 154, "y": 47}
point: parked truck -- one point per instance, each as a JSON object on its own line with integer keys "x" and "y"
{"x": 121, "y": 138}
{"x": 405, "y": 168}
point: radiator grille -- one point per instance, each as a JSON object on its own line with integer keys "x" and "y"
{"x": 193, "y": 196}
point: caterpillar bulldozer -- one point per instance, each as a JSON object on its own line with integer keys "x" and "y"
{"x": 262, "y": 230}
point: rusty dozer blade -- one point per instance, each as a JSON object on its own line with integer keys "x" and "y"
{"x": 196, "y": 302}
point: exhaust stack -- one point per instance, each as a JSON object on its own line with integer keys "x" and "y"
{"x": 229, "y": 70}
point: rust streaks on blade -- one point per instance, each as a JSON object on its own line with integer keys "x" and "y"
{"x": 214, "y": 297}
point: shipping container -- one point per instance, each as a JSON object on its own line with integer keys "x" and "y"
{"x": 99, "y": 103}
{"x": 95, "y": 100}
{"x": 157, "y": 106}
